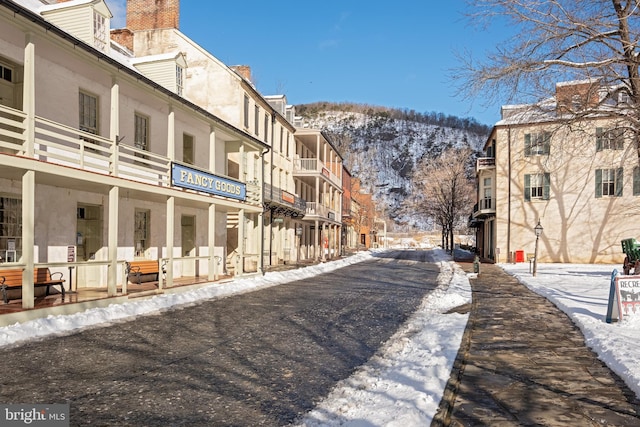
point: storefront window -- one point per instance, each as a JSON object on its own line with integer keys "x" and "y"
{"x": 10, "y": 229}
{"x": 89, "y": 231}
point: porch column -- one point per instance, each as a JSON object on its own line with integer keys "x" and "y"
{"x": 112, "y": 272}
{"x": 29, "y": 98}
{"x": 241, "y": 224}
{"x": 211, "y": 241}
{"x": 171, "y": 134}
{"x": 171, "y": 214}
{"x": 114, "y": 125}
{"x": 28, "y": 232}
{"x": 316, "y": 237}
{"x": 212, "y": 150}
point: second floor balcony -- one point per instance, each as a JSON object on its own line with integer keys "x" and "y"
{"x": 485, "y": 163}
{"x": 315, "y": 167}
{"x": 319, "y": 211}
{"x": 284, "y": 203}
{"x": 484, "y": 208}
{"x": 58, "y": 144}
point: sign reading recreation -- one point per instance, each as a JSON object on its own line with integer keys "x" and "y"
{"x": 624, "y": 297}
{"x": 193, "y": 179}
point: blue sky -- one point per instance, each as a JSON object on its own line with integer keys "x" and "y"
{"x": 374, "y": 53}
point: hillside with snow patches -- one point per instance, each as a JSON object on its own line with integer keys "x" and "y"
{"x": 382, "y": 146}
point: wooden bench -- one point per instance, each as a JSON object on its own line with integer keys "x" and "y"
{"x": 143, "y": 271}
{"x": 42, "y": 277}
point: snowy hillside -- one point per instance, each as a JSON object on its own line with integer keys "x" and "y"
{"x": 381, "y": 147}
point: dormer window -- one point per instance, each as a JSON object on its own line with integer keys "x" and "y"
{"x": 100, "y": 31}
{"x": 623, "y": 97}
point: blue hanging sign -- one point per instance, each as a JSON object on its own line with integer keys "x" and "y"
{"x": 194, "y": 179}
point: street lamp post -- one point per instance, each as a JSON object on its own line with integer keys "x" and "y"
{"x": 538, "y": 230}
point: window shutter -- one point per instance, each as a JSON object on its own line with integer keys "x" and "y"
{"x": 598, "y": 183}
{"x": 547, "y": 184}
{"x": 619, "y": 181}
{"x": 527, "y": 187}
{"x": 636, "y": 181}
{"x": 620, "y": 139}
{"x": 546, "y": 144}
{"x": 598, "y": 139}
{"x": 527, "y": 144}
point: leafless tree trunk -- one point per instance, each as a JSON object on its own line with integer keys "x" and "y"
{"x": 444, "y": 191}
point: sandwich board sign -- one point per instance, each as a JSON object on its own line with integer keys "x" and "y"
{"x": 624, "y": 297}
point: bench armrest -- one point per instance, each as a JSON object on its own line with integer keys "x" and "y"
{"x": 56, "y": 276}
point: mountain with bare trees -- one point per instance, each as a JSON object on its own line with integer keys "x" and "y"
{"x": 383, "y": 147}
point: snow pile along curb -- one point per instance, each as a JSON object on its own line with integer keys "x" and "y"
{"x": 403, "y": 384}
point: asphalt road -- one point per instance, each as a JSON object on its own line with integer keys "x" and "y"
{"x": 263, "y": 358}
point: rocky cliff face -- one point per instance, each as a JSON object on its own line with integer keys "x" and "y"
{"x": 381, "y": 146}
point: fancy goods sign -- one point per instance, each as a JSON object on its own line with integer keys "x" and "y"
{"x": 194, "y": 179}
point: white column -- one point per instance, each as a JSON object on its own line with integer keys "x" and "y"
{"x": 211, "y": 241}
{"x": 112, "y": 272}
{"x": 114, "y": 124}
{"x": 29, "y": 96}
{"x": 28, "y": 232}
{"x": 241, "y": 231}
{"x": 171, "y": 214}
{"x": 171, "y": 134}
{"x": 212, "y": 150}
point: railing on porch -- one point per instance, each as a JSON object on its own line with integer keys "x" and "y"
{"x": 317, "y": 209}
{"x": 315, "y": 166}
{"x": 67, "y": 146}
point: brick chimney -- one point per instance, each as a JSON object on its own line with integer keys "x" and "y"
{"x": 122, "y": 36}
{"x": 243, "y": 70}
{"x": 153, "y": 14}
{"x": 575, "y": 96}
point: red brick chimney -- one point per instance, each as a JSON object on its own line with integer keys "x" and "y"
{"x": 575, "y": 96}
{"x": 153, "y": 14}
{"x": 243, "y": 70}
{"x": 122, "y": 36}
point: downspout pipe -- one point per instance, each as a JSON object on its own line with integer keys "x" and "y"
{"x": 509, "y": 196}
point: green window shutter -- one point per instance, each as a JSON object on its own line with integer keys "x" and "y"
{"x": 546, "y": 145}
{"x": 619, "y": 181}
{"x": 598, "y": 183}
{"x": 599, "y": 139}
{"x": 636, "y": 181}
{"x": 527, "y": 188}
{"x": 527, "y": 144}
{"x": 620, "y": 139}
{"x": 547, "y": 185}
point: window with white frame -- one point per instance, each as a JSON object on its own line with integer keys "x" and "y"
{"x": 88, "y": 106}
{"x": 486, "y": 200}
{"x": 6, "y": 73}
{"x": 609, "y": 139}
{"x": 246, "y": 112}
{"x": 609, "y": 182}
{"x": 256, "y": 120}
{"x": 536, "y": 144}
{"x": 142, "y": 221}
{"x": 187, "y": 149}
{"x": 537, "y": 186}
{"x": 100, "y": 31}
{"x": 266, "y": 128}
{"x": 10, "y": 229}
{"x": 141, "y": 132}
{"x": 89, "y": 228}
